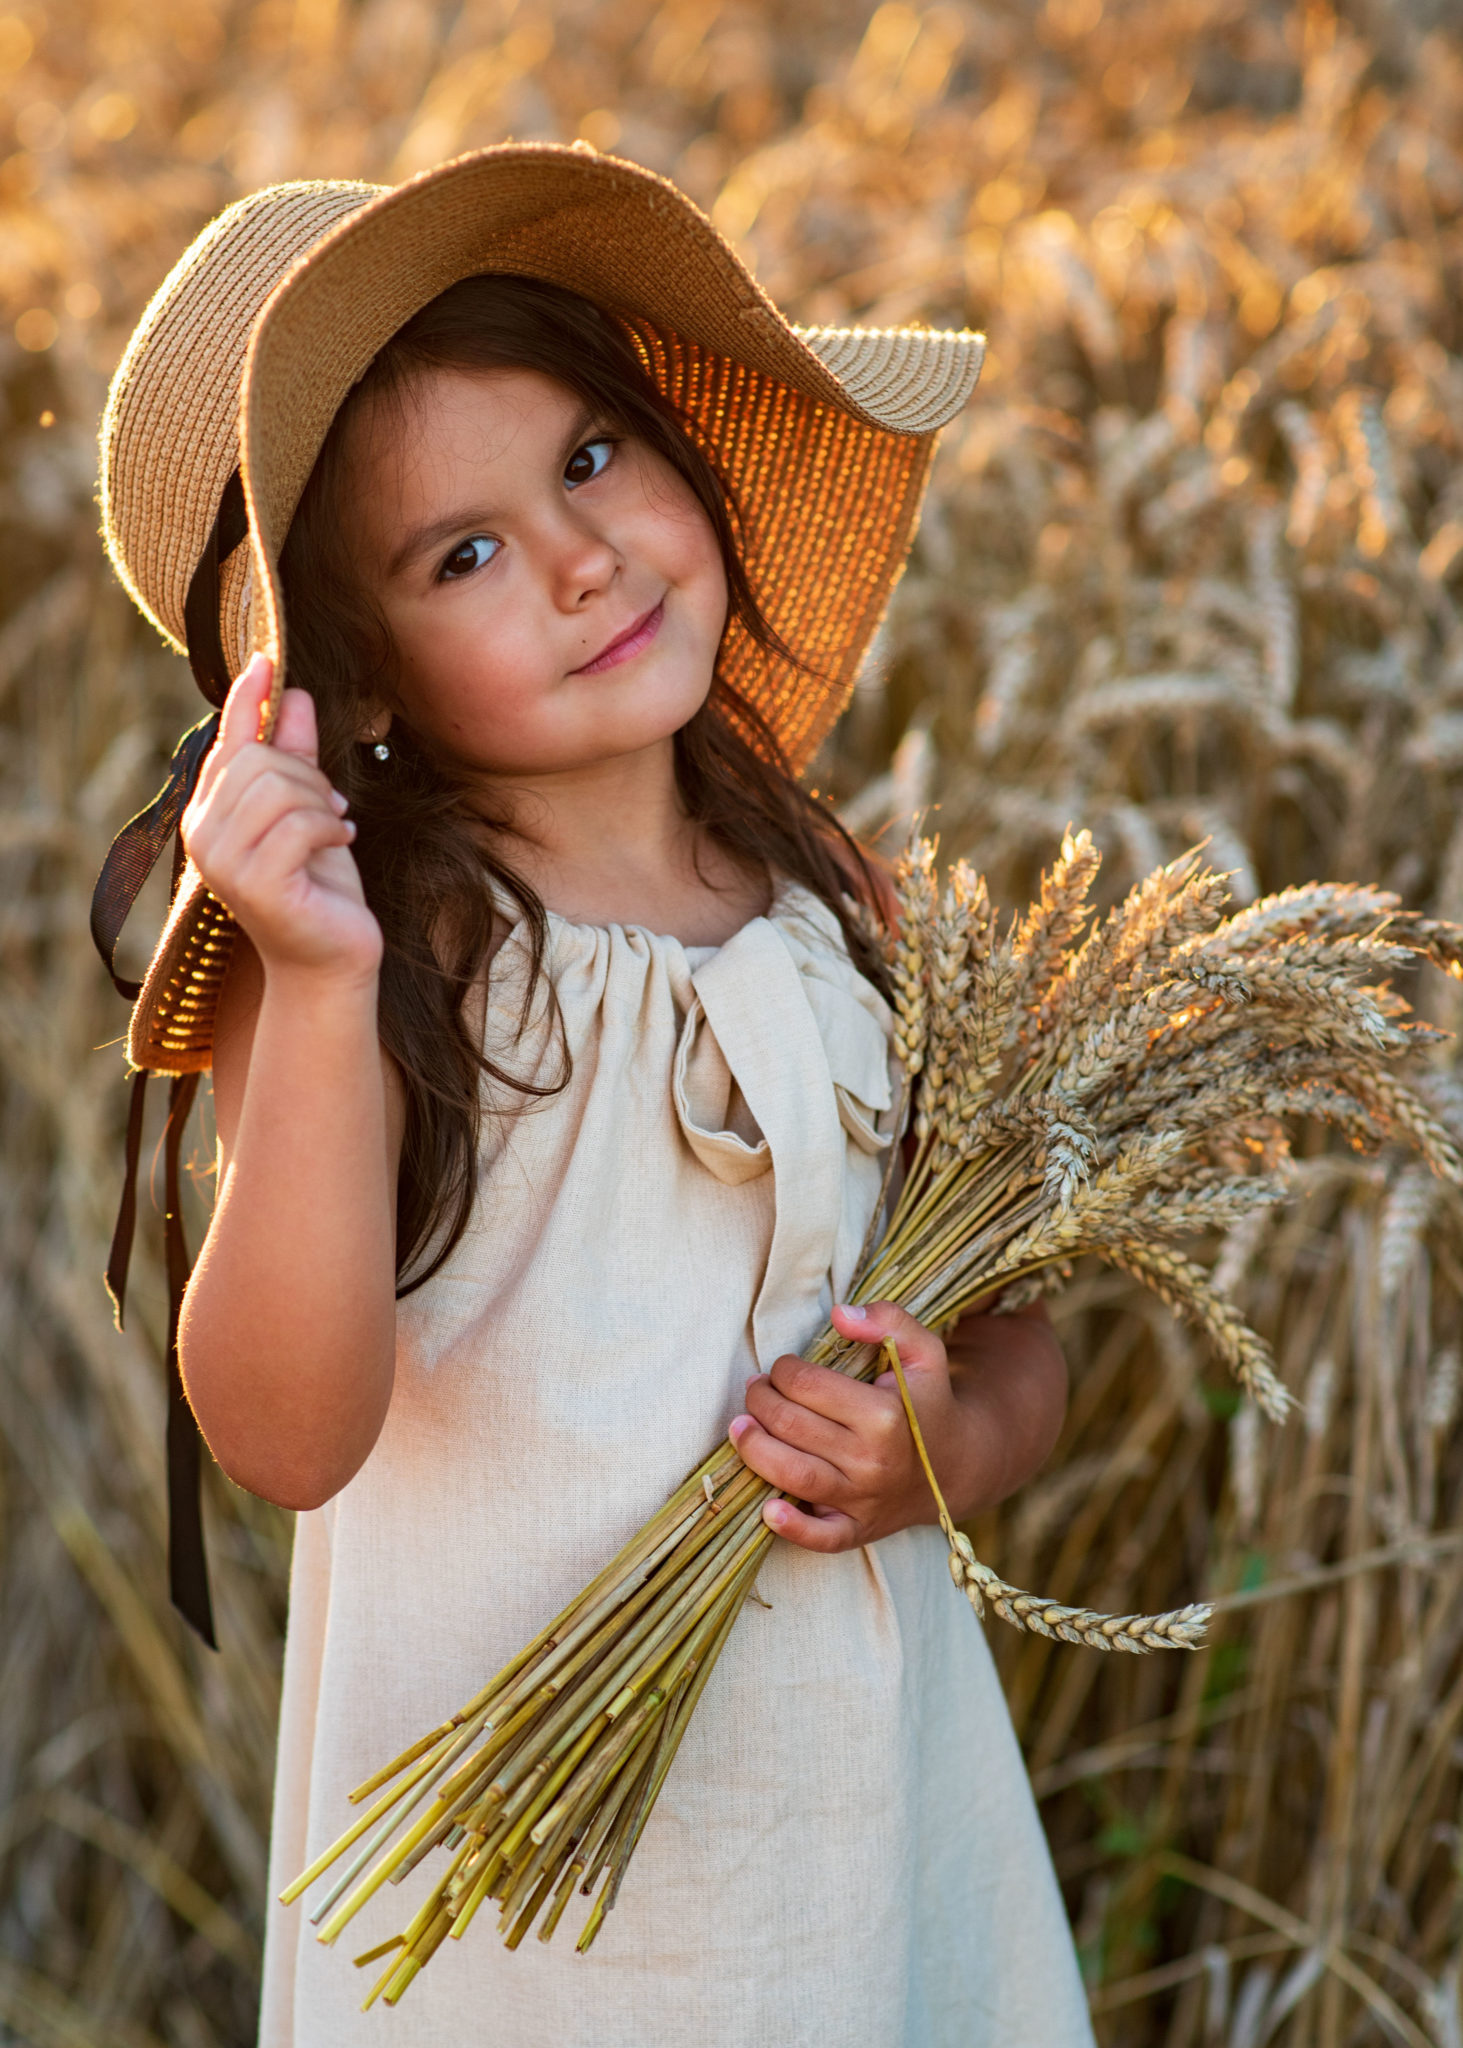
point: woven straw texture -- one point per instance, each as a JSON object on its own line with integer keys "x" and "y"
{"x": 170, "y": 433}
{"x": 249, "y": 348}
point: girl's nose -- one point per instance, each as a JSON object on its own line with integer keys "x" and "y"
{"x": 584, "y": 562}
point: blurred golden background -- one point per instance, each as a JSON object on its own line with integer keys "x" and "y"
{"x": 1192, "y": 567}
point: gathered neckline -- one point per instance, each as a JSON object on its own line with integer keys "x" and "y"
{"x": 786, "y": 895}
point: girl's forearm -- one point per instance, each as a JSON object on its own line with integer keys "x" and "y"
{"x": 1009, "y": 1379}
{"x": 287, "y": 1339}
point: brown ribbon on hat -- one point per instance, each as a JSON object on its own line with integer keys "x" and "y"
{"x": 133, "y": 855}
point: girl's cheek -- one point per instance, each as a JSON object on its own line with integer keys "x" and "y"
{"x": 460, "y": 668}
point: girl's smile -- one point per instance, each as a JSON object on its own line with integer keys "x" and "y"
{"x": 553, "y": 590}
{"x": 627, "y": 644}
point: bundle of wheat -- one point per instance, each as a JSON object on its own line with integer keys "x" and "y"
{"x": 1078, "y": 1087}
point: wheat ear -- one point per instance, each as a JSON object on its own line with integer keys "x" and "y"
{"x": 1434, "y": 939}
{"x": 1180, "y": 1629}
{"x": 915, "y": 881}
{"x": 1185, "y": 1288}
{"x": 1052, "y": 925}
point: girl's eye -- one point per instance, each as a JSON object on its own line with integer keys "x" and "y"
{"x": 588, "y": 462}
{"x": 468, "y": 555}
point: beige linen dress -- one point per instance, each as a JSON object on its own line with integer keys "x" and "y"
{"x": 846, "y": 1853}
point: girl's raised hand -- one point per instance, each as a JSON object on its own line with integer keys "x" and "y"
{"x": 270, "y": 837}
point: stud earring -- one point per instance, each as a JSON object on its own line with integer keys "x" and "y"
{"x": 381, "y": 751}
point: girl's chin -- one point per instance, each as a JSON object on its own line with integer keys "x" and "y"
{"x": 600, "y": 721}
{"x": 612, "y": 741}
{"x": 640, "y": 709}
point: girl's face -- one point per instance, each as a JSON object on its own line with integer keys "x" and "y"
{"x": 554, "y": 591}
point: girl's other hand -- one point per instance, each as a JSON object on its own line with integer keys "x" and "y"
{"x": 990, "y": 1409}
{"x": 270, "y": 838}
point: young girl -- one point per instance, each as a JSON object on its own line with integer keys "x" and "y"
{"x": 552, "y": 1075}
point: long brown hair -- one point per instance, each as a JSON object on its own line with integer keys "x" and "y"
{"x": 425, "y": 858}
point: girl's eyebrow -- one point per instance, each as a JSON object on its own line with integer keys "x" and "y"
{"x": 422, "y": 539}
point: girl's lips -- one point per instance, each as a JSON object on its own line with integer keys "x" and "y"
{"x": 630, "y": 643}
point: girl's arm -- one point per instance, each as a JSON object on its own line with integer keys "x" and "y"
{"x": 287, "y": 1338}
{"x": 990, "y": 1409}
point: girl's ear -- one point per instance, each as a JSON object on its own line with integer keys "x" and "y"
{"x": 374, "y": 727}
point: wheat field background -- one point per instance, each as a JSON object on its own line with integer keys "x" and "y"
{"x": 1192, "y": 568}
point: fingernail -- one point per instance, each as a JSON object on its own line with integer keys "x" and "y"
{"x": 775, "y": 1512}
{"x": 350, "y": 826}
{"x": 852, "y": 1308}
{"x": 341, "y": 803}
{"x": 739, "y": 1428}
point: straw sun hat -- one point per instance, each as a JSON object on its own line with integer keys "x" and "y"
{"x": 239, "y": 365}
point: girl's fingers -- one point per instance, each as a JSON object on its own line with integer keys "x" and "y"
{"x": 295, "y": 730}
{"x": 920, "y": 1350}
{"x": 828, "y": 1393}
{"x": 798, "y": 1423}
{"x": 225, "y": 821}
{"x": 289, "y": 844}
{"x": 222, "y": 789}
{"x": 796, "y": 1472}
{"x": 238, "y": 727}
{"x": 282, "y": 784}
{"x": 829, "y": 1530}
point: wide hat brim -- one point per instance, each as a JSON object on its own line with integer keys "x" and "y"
{"x": 825, "y": 436}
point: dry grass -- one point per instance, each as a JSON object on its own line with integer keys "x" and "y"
{"x": 1191, "y": 567}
